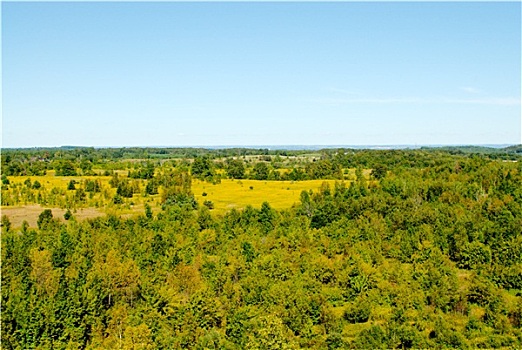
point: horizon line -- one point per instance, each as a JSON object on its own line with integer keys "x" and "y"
{"x": 283, "y": 146}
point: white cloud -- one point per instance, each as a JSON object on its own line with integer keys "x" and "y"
{"x": 498, "y": 101}
{"x": 343, "y": 91}
{"x": 471, "y": 90}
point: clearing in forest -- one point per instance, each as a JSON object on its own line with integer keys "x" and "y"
{"x": 239, "y": 193}
{"x": 224, "y": 196}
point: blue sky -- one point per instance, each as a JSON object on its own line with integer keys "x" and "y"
{"x": 186, "y": 74}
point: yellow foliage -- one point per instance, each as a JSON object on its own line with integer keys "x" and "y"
{"x": 137, "y": 338}
{"x": 45, "y": 277}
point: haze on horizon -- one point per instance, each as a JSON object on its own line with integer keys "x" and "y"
{"x": 206, "y": 74}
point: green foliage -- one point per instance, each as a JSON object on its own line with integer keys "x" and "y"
{"x": 143, "y": 172}
{"x": 474, "y": 255}
{"x": 379, "y": 172}
{"x": 202, "y": 168}
{"x": 235, "y": 168}
{"x": 65, "y": 168}
{"x": 44, "y": 218}
{"x": 148, "y": 211}
{"x": 428, "y": 256}
{"x": 270, "y": 333}
{"x": 324, "y": 169}
{"x": 208, "y": 204}
{"x": 93, "y": 186}
{"x": 6, "y": 223}
{"x": 115, "y": 180}
{"x": 260, "y": 171}
{"x": 335, "y": 341}
{"x": 117, "y": 199}
{"x": 357, "y": 312}
{"x": 125, "y": 189}
{"x": 86, "y": 167}
{"x": 372, "y": 338}
{"x": 67, "y": 215}
{"x": 248, "y": 251}
{"x": 152, "y": 187}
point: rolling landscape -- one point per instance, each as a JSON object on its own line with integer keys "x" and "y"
{"x": 258, "y": 249}
{"x": 261, "y": 175}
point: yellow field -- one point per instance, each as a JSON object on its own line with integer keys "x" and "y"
{"x": 50, "y": 180}
{"x": 226, "y": 195}
{"x": 238, "y": 194}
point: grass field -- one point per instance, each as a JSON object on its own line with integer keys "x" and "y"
{"x": 226, "y": 195}
{"x": 240, "y": 193}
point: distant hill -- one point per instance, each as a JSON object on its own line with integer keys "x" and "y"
{"x": 517, "y": 149}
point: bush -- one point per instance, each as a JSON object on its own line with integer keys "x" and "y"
{"x": 5, "y": 223}
{"x": 474, "y": 255}
{"x": 44, "y": 218}
{"x": 208, "y": 204}
{"x": 67, "y": 215}
{"x": 117, "y": 199}
{"x": 65, "y": 168}
{"x": 371, "y": 338}
{"x": 335, "y": 341}
{"x": 357, "y": 313}
{"x": 92, "y": 186}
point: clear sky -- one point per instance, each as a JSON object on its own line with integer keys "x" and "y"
{"x": 186, "y": 74}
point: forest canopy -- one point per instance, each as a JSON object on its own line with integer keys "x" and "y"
{"x": 396, "y": 249}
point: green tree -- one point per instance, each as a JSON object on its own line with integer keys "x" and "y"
{"x": 379, "y": 172}
{"x": 125, "y": 189}
{"x": 6, "y": 223}
{"x": 271, "y": 333}
{"x": 152, "y": 187}
{"x": 148, "y": 211}
{"x": 86, "y": 167}
{"x": 67, "y": 215}
{"x": 92, "y": 186}
{"x": 260, "y": 171}
{"x": 65, "y": 168}
{"x": 44, "y": 218}
{"x": 202, "y": 167}
{"x": 235, "y": 168}
{"x": 5, "y": 180}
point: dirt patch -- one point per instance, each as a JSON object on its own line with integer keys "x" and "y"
{"x": 30, "y": 214}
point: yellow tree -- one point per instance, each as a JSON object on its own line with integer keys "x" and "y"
{"x": 45, "y": 277}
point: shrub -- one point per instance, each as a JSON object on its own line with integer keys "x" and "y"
{"x": 71, "y": 185}
{"x": 357, "y": 313}
{"x": 117, "y": 199}
{"x": 44, "y": 218}
{"x": 67, "y": 215}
